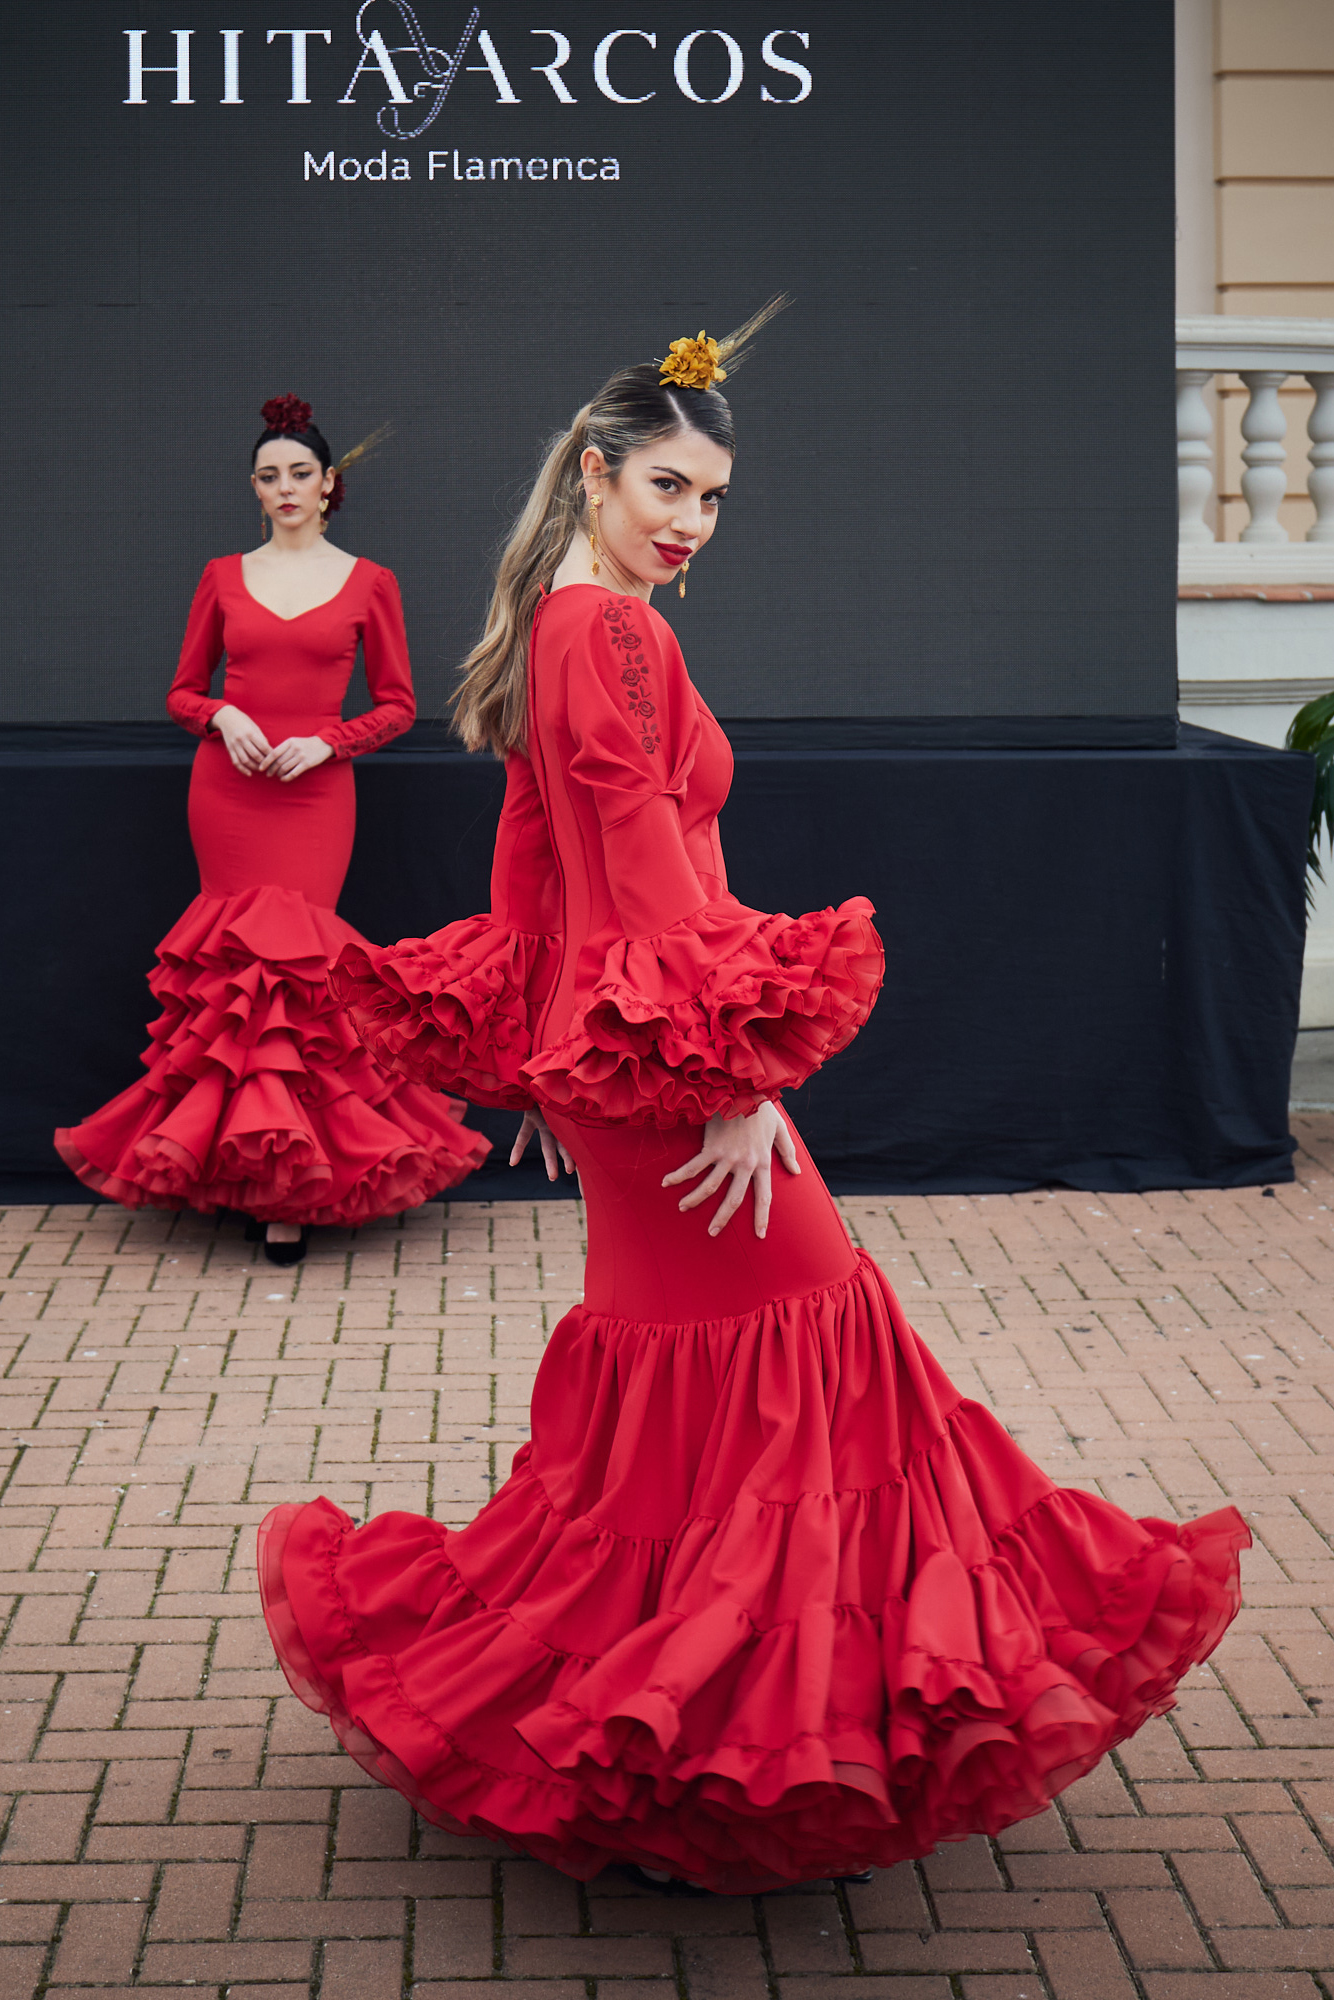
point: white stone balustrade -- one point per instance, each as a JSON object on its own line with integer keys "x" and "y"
{"x": 1265, "y": 353}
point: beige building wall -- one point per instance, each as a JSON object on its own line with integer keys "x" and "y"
{"x": 1273, "y": 203}
{"x": 1255, "y": 240}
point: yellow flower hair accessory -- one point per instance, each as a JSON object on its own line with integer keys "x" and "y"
{"x": 692, "y": 364}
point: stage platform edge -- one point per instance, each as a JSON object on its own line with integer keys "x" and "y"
{"x": 1093, "y": 953}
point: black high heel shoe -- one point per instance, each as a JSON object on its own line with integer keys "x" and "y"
{"x": 254, "y": 1229}
{"x": 661, "y": 1885}
{"x": 287, "y": 1253}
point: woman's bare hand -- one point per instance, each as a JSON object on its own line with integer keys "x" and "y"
{"x": 739, "y": 1150}
{"x": 244, "y": 740}
{"x": 294, "y": 756}
{"x": 553, "y": 1152}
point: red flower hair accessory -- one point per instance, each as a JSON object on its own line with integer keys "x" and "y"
{"x": 287, "y": 414}
{"x": 336, "y": 495}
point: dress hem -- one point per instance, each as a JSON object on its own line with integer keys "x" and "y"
{"x": 1002, "y": 1677}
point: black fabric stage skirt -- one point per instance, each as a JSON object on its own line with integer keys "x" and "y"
{"x": 1093, "y": 955}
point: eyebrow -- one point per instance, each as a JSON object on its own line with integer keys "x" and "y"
{"x": 673, "y": 474}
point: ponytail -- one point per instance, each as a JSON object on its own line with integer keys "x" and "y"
{"x": 491, "y": 703}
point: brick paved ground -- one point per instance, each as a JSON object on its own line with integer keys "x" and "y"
{"x": 174, "y": 1821}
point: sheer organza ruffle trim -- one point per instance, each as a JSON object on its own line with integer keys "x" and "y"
{"x": 456, "y": 1010}
{"x": 258, "y": 1096}
{"x": 959, "y": 1708}
{"x": 788, "y": 1683}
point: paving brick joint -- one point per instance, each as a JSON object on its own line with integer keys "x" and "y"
{"x": 173, "y": 1822}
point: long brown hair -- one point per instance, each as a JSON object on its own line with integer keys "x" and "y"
{"x": 631, "y": 409}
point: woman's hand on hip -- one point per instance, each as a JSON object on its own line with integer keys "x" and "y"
{"x": 294, "y": 756}
{"x": 244, "y": 740}
{"x": 553, "y": 1152}
{"x": 739, "y": 1150}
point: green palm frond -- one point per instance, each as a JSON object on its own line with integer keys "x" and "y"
{"x": 1312, "y": 730}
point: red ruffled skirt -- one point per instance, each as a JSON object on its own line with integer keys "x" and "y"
{"x": 764, "y": 1599}
{"x": 258, "y": 1096}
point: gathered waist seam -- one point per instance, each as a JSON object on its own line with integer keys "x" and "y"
{"x": 733, "y": 1319}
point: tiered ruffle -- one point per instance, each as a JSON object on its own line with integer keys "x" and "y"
{"x": 456, "y": 1010}
{"x": 765, "y": 1600}
{"x": 718, "y": 1013}
{"x": 258, "y": 1095}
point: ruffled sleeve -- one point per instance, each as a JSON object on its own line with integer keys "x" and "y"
{"x": 458, "y": 1010}
{"x": 384, "y": 641}
{"x": 700, "y": 1005}
{"x": 188, "y": 698}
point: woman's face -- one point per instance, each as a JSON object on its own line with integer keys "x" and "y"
{"x": 662, "y": 506}
{"x": 290, "y": 482}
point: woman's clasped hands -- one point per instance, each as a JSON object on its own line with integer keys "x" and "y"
{"x": 254, "y": 756}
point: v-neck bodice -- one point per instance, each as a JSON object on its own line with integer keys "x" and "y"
{"x": 290, "y": 675}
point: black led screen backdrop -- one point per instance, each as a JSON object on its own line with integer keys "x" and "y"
{"x": 954, "y": 495}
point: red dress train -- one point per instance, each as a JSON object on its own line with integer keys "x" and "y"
{"x": 258, "y": 1095}
{"x": 765, "y": 1598}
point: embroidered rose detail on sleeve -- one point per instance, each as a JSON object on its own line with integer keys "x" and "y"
{"x": 634, "y": 675}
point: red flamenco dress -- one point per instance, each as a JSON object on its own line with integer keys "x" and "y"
{"x": 258, "y": 1096}
{"x": 764, "y": 1599}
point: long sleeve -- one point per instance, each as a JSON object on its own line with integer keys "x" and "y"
{"x": 458, "y": 1010}
{"x": 188, "y": 698}
{"x": 388, "y": 675}
{"x": 701, "y": 1005}
{"x": 635, "y": 726}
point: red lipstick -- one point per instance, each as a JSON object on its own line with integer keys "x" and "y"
{"x": 672, "y": 553}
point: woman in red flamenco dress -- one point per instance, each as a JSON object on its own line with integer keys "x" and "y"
{"x": 258, "y": 1096}
{"x": 764, "y": 1599}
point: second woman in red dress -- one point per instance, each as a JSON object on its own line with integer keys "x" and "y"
{"x": 258, "y": 1096}
{"x": 765, "y": 1598}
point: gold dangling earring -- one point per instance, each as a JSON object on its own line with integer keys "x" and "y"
{"x": 263, "y": 526}
{"x": 681, "y": 586}
{"x": 596, "y": 502}
{"x": 324, "y": 517}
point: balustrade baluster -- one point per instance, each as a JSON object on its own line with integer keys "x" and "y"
{"x": 1320, "y": 481}
{"x": 1195, "y": 480}
{"x": 1265, "y": 481}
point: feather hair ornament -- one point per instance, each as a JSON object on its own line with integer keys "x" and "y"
{"x": 365, "y": 448}
{"x": 368, "y": 445}
{"x": 698, "y": 363}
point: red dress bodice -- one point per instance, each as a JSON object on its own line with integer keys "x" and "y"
{"x": 290, "y": 675}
